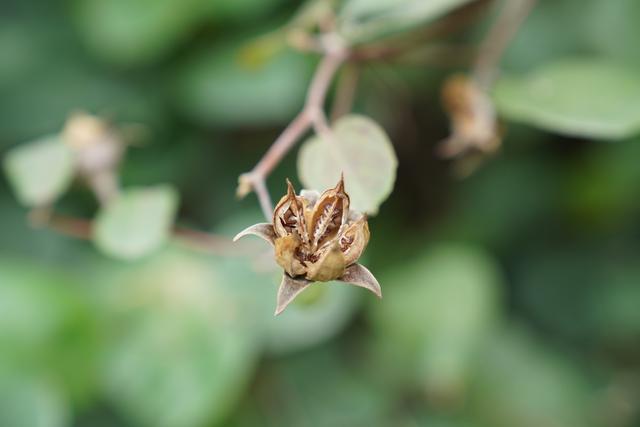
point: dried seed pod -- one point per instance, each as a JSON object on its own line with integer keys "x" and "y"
{"x": 287, "y": 250}
{"x": 97, "y": 146}
{"x": 288, "y": 216}
{"x": 316, "y": 238}
{"x": 354, "y": 240}
{"x": 473, "y": 118}
{"x": 98, "y": 150}
{"x": 329, "y": 215}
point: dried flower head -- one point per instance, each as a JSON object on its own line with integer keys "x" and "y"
{"x": 473, "y": 118}
{"x": 98, "y": 150}
{"x": 316, "y": 238}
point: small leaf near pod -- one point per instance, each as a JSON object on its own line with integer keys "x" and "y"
{"x": 289, "y": 289}
{"x": 359, "y": 275}
{"x": 263, "y": 230}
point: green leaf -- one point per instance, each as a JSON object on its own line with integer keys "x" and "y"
{"x": 545, "y": 36}
{"x": 183, "y": 343}
{"x": 220, "y": 86}
{"x": 362, "y": 151}
{"x": 46, "y": 327}
{"x": 320, "y": 385}
{"x": 520, "y": 382}
{"x": 40, "y": 171}
{"x": 592, "y": 98}
{"x": 240, "y": 11}
{"x": 582, "y": 294}
{"x": 318, "y": 314}
{"x": 434, "y": 318}
{"x": 365, "y": 20}
{"x": 611, "y": 27}
{"x": 31, "y": 402}
{"x": 137, "y": 222}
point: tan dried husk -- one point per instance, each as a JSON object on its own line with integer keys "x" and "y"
{"x": 317, "y": 236}
{"x": 474, "y": 124}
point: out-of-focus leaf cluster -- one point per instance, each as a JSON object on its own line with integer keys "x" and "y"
{"x": 510, "y": 298}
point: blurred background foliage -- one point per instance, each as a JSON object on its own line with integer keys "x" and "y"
{"x": 511, "y": 297}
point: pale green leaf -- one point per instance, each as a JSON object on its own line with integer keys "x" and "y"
{"x": 520, "y": 381}
{"x": 31, "y": 402}
{"x": 183, "y": 342}
{"x": 45, "y": 326}
{"x": 40, "y": 171}
{"x": 441, "y": 307}
{"x": 323, "y": 385}
{"x": 362, "y": 151}
{"x": 592, "y": 98}
{"x": 137, "y": 222}
{"x": 364, "y": 20}
{"x": 611, "y": 25}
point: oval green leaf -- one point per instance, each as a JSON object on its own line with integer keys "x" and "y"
{"x": 137, "y": 222}
{"x": 29, "y": 401}
{"x": 520, "y": 381}
{"x": 182, "y": 342}
{"x": 590, "y": 98}
{"x": 40, "y": 171}
{"x": 46, "y": 326}
{"x": 362, "y": 151}
{"x": 437, "y": 314}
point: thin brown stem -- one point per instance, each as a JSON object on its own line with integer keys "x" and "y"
{"x": 61, "y": 224}
{"x": 318, "y": 91}
{"x": 505, "y": 27}
{"x": 255, "y": 179}
{"x": 80, "y": 228}
{"x": 311, "y": 115}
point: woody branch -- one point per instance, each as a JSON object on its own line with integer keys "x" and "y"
{"x": 312, "y": 115}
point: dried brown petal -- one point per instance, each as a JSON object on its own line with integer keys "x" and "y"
{"x": 311, "y": 196}
{"x": 288, "y": 216}
{"x": 289, "y": 289}
{"x": 287, "y": 251}
{"x": 473, "y": 118}
{"x": 263, "y": 230}
{"x": 358, "y": 275}
{"x": 329, "y": 266}
{"x": 329, "y": 214}
{"x": 354, "y": 240}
